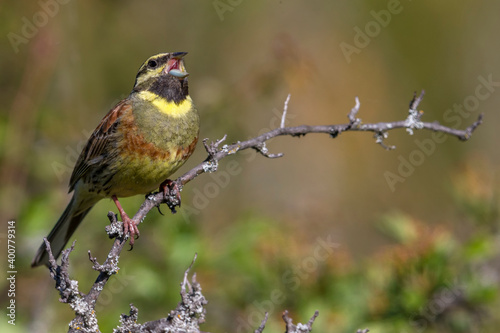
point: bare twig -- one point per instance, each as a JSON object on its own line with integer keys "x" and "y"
{"x": 416, "y": 100}
{"x": 68, "y": 289}
{"x": 264, "y": 321}
{"x": 299, "y": 328}
{"x": 185, "y": 281}
{"x": 190, "y": 312}
{"x": 311, "y": 321}
{"x": 285, "y": 110}
{"x": 262, "y": 149}
{"x": 212, "y": 147}
{"x": 379, "y": 138}
{"x": 354, "y": 111}
{"x": 472, "y": 128}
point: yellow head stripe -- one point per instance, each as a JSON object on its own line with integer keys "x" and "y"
{"x": 169, "y": 108}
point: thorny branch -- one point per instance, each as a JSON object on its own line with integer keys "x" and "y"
{"x": 85, "y": 320}
{"x": 186, "y": 317}
{"x": 299, "y": 328}
{"x": 215, "y": 154}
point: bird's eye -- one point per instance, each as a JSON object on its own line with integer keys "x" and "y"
{"x": 152, "y": 64}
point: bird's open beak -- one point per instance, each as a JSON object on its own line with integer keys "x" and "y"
{"x": 175, "y": 65}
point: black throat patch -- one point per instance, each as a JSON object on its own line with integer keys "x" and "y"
{"x": 170, "y": 88}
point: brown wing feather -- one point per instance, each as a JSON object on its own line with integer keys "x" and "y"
{"x": 99, "y": 142}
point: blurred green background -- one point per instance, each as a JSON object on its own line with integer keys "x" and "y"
{"x": 320, "y": 228}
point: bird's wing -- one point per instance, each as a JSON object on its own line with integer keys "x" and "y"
{"x": 98, "y": 145}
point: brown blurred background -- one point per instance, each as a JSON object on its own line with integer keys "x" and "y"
{"x": 64, "y": 65}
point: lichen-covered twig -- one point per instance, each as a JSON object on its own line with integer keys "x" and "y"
{"x": 190, "y": 311}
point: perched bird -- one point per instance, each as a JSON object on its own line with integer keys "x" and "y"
{"x": 142, "y": 141}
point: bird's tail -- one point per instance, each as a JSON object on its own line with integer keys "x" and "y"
{"x": 62, "y": 231}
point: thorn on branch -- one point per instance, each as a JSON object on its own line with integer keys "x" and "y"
{"x": 185, "y": 281}
{"x": 313, "y": 318}
{"x": 193, "y": 302}
{"x": 299, "y": 328}
{"x": 68, "y": 290}
{"x": 218, "y": 142}
{"x": 413, "y": 121}
{"x": 261, "y": 148}
{"x": 110, "y": 268}
{"x": 288, "y": 321}
{"x": 472, "y": 128}
{"x": 212, "y": 148}
{"x": 379, "y": 138}
{"x": 263, "y": 323}
{"x": 415, "y": 101}
{"x": 129, "y": 322}
{"x": 211, "y": 164}
{"x": 353, "y": 121}
{"x": 285, "y": 110}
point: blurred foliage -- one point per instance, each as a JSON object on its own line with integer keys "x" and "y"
{"x": 424, "y": 280}
{"x": 420, "y": 258}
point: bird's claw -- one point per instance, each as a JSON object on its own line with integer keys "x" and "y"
{"x": 129, "y": 226}
{"x": 171, "y": 194}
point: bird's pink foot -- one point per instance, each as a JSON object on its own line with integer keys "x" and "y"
{"x": 129, "y": 226}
